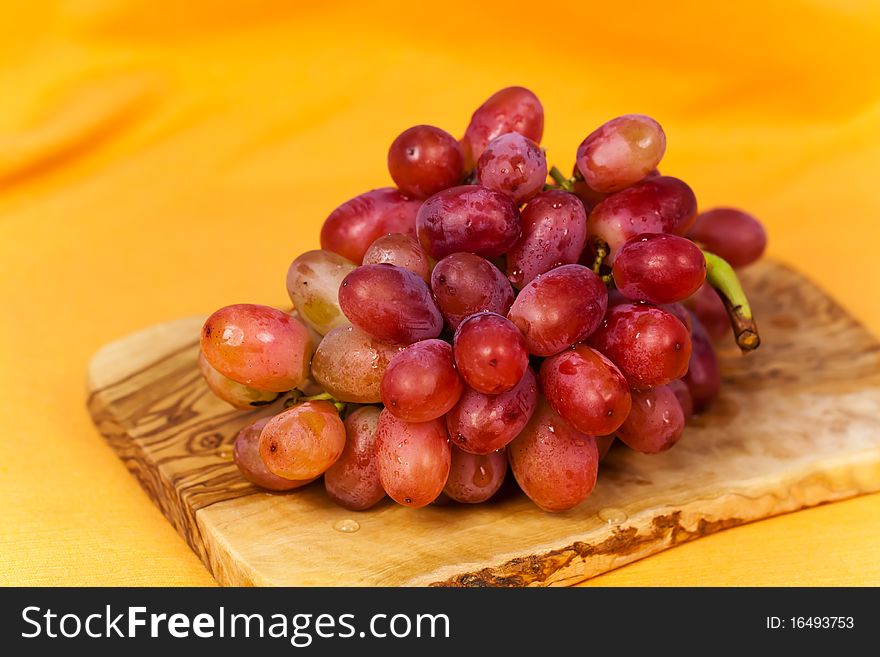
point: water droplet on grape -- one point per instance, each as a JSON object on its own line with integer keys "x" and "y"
{"x": 347, "y": 526}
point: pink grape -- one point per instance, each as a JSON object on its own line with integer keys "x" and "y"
{"x": 655, "y": 422}
{"x": 236, "y": 394}
{"x": 513, "y": 109}
{"x": 464, "y": 284}
{"x": 424, "y": 160}
{"x": 683, "y": 395}
{"x": 559, "y": 308}
{"x": 732, "y": 234}
{"x": 659, "y": 268}
{"x": 474, "y": 478}
{"x": 246, "y": 455}
{"x": 513, "y": 165}
{"x": 621, "y": 152}
{"x": 490, "y": 353}
{"x": 678, "y": 311}
{"x": 421, "y": 382}
{"x": 313, "y": 281}
{"x": 303, "y": 441}
{"x": 703, "y": 377}
{"x": 401, "y": 250}
{"x": 708, "y": 307}
{"x": 413, "y": 459}
{"x": 353, "y": 480}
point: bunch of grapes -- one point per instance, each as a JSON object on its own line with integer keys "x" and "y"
{"x": 490, "y": 313}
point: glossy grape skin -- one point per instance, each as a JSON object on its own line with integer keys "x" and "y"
{"x": 246, "y": 455}
{"x": 464, "y": 284}
{"x": 513, "y": 109}
{"x": 703, "y": 377}
{"x": 677, "y": 310}
{"x": 303, "y": 441}
{"x": 649, "y": 345}
{"x": 313, "y": 281}
{"x": 236, "y": 394}
{"x": 586, "y": 389}
{"x": 708, "y": 307}
{"x": 353, "y": 226}
{"x": 513, "y": 165}
{"x": 659, "y": 268}
{"x": 421, "y": 382}
{"x": 474, "y": 478}
{"x": 603, "y": 445}
{"x": 413, "y": 459}
{"x": 350, "y": 364}
{"x": 559, "y": 308}
{"x": 353, "y": 480}
{"x": 734, "y": 235}
{"x": 621, "y": 152}
{"x": 657, "y": 205}
{"x": 481, "y": 423}
{"x": 554, "y": 232}
{"x": 423, "y": 160}
{"x": 683, "y": 395}
{"x": 490, "y": 353}
{"x": 259, "y": 346}
{"x": 401, "y": 250}
{"x": 655, "y": 422}
{"x": 390, "y": 303}
{"x": 468, "y": 218}
{"x": 555, "y": 465}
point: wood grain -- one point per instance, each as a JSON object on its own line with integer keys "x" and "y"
{"x": 797, "y": 424}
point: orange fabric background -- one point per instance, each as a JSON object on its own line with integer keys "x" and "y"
{"x": 159, "y": 160}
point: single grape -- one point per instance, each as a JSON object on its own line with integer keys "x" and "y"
{"x": 683, "y": 395}
{"x": 513, "y": 165}
{"x": 656, "y": 205}
{"x": 707, "y": 305}
{"x": 424, "y": 160}
{"x": 554, "y": 464}
{"x": 421, "y": 382}
{"x": 621, "y": 152}
{"x": 303, "y": 441}
{"x": 390, "y": 303}
{"x": 236, "y": 394}
{"x": 603, "y": 444}
{"x": 732, "y": 234}
{"x": 559, "y": 308}
{"x": 481, "y": 423}
{"x": 401, "y": 250}
{"x": 586, "y": 389}
{"x": 659, "y": 268}
{"x": 350, "y": 364}
{"x": 513, "y": 109}
{"x": 648, "y": 345}
{"x": 677, "y": 310}
{"x": 554, "y": 232}
{"x": 474, "y": 478}
{"x": 413, "y": 459}
{"x": 246, "y": 455}
{"x": 588, "y": 196}
{"x": 703, "y": 377}
{"x": 259, "y": 346}
{"x": 353, "y": 481}
{"x": 655, "y": 422}
{"x": 468, "y": 218}
{"x": 313, "y": 281}
{"x": 464, "y": 284}
{"x": 490, "y": 353}
{"x": 357, "y": 223}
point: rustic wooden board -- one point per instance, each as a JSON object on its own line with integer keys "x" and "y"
{"x": 798, "y": 424}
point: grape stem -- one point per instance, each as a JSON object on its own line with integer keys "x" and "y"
{"x": 720, "y": 275}
{"x": 560, "y": 179}
{"x": 297, "y": 398}
{"x": 601, "y": 254}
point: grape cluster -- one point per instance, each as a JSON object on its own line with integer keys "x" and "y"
{"x": 481, "y": 316}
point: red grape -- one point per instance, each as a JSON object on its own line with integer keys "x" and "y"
{"x": 732, "y": 234}
{"x": 353, "y": 481}
{"x": 513, "y": 109}
{"x": 588, "y": 196}
{"x": 708, "y": 307}
{"x": 424, "y": 159}
{"x": 683, "y": 394}
{"x": 390, "y": 303}
{"x": 259, "y": 346}
{"x": 465, "y": 284}
{"x": 490, "y": 353}
{"x": 677, "y": 310}
{"x": 703, "y": 377}
{"x": 481, "y": 423}
{"x": 555, "y": 465}
{"x": 236, "y": 394}
{"x": 586, "y": 389}
{"x": 554, "y": 231}
{"x": 474, "y": 478}
{"x": 621, "y": 152}
{"x": 421, "y": 383}
{"x": 659, "y": 268}
{"x": 246, "y": 455}
{"x": 401, "y": 250}
{"x": 413, "y": 459}
{"x": 559, "y": 308}
{"x": 513, "y": 165}
{"x": 655, "y": 422}
{"x": 303, "y": 441}
{"x": 650, "y": 346}
{"x": 468, "y": 218}
{"x": 357, "y": 223}
{"x": 656, "y": 205}
{"x": 313, "y": 281}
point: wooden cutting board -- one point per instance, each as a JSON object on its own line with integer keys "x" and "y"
{"x": 797, "y": 424}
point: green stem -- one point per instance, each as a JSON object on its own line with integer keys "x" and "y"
{"x": 720, "y": 275}
{"x": 560, "y": 179}
{"x": 601, "y": 254}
